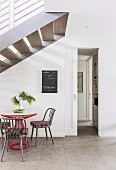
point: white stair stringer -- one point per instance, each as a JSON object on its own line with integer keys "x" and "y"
{"x": 31, "y": 36}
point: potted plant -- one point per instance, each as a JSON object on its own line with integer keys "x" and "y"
{"x": 17, "y": 100}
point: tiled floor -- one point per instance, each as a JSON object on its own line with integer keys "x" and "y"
{"x": 85, "y": 152}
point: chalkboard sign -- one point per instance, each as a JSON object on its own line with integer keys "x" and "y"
{"x": 49, "y": 81}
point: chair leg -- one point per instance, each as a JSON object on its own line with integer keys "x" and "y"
{"x": 7, "y": 144}
{"x": 2, "y": 141}
{"x": 27, "y": 144}
{"x": 21, "y": 147}
{"x": 46, "y": 133}
{"x": 32, "y": 132}
{"x": 4, "y": 146}
{"x": 36, "y": 136}
{"x": 51, "y": 134}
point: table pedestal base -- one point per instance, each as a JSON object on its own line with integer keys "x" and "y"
{"x": 15, "y": 144}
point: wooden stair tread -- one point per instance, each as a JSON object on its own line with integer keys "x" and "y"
{"x": 47, "y": 32}
{"x": 60, "y": 25}
{"x": 34, "y": 39}
{"x": 3, "y": 63}
{"x": 9, "y": 54}
{"x": 22, "y": 47}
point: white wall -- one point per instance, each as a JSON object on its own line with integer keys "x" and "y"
{"x": 105, "y": 41}
{"x": 82, "y": 97}
{"x": 100, "y": 8}
{"x": 27, "y": 76}
{"x": 91, "y": 24}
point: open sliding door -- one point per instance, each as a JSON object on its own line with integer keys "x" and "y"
{"x": 71, "y": 92}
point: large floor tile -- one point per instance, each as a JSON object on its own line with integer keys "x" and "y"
{"x": 23, "y": 168}
{"x": 50, "y": 166}
{"x": 84, "y": 152}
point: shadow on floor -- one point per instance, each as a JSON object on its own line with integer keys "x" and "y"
{"x": 87, "y": 131}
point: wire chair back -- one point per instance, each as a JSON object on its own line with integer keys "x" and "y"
{"x": 49, "y": 114}
{"x": 12, "y": 127}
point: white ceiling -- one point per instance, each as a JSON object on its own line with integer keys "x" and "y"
{"x": 83, "y": 57}
{"x": 106, "y": 8}
{"x": 85, "y": 54}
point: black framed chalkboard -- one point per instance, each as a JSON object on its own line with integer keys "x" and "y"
{"x": 49, "y": 81}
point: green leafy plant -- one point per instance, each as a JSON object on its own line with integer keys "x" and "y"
{"x": 17, "y": 100}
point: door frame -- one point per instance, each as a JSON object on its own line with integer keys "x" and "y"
{"x": 71, "y": 91}
{"x": 72, "y": 52}
{"x": 98, "y": 50}
{"x": 87, "y": 99}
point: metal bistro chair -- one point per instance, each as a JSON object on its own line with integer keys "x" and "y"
{"x": 2, "y": 134}
{"x": 11, "y": 129}
{"x": 45, "y": 123}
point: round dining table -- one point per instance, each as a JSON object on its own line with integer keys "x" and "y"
{"x": 18, "y": 115}
{"x": 14, "y": 144}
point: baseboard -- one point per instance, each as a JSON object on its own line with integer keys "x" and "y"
{"x": 70, "y": 132}
{"x": 107, "y": 134}
{"x": 53, "y": 134}
{"x": 83, "y": 120}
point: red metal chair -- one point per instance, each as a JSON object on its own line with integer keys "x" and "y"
{"x": 3, "y": 124}
{"x": 45, "y": 123}
{"x": 10, "y": 129}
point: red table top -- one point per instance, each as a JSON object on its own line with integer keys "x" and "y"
{"x": 18, "y": 115}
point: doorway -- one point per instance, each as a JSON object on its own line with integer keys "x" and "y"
{"x": 88, "y": 95}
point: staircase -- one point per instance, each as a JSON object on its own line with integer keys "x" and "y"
{"x": 30, "y": 37}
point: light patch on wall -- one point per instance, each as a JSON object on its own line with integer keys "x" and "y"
{"x": 83, "y": 57}
{"x": 13, "y": 49}
{"x": 2, "y": 58}
{"x": 26, "y": 41}
{"x": 40, "y": 34}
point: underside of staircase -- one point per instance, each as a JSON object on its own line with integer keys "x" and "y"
{"x": 31, "y": 36}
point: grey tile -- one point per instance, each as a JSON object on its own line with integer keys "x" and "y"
{"x": 24, "y": 168}
{"x": 54, "y": 159}
{"x": 81, "y": 168}
{"x": 5, "y": 165}
{"x": 51, "y": 166}
{"x": 79, "y": 160}
{"x": 84, "y": 152}
{"x": 74, "y": 167}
